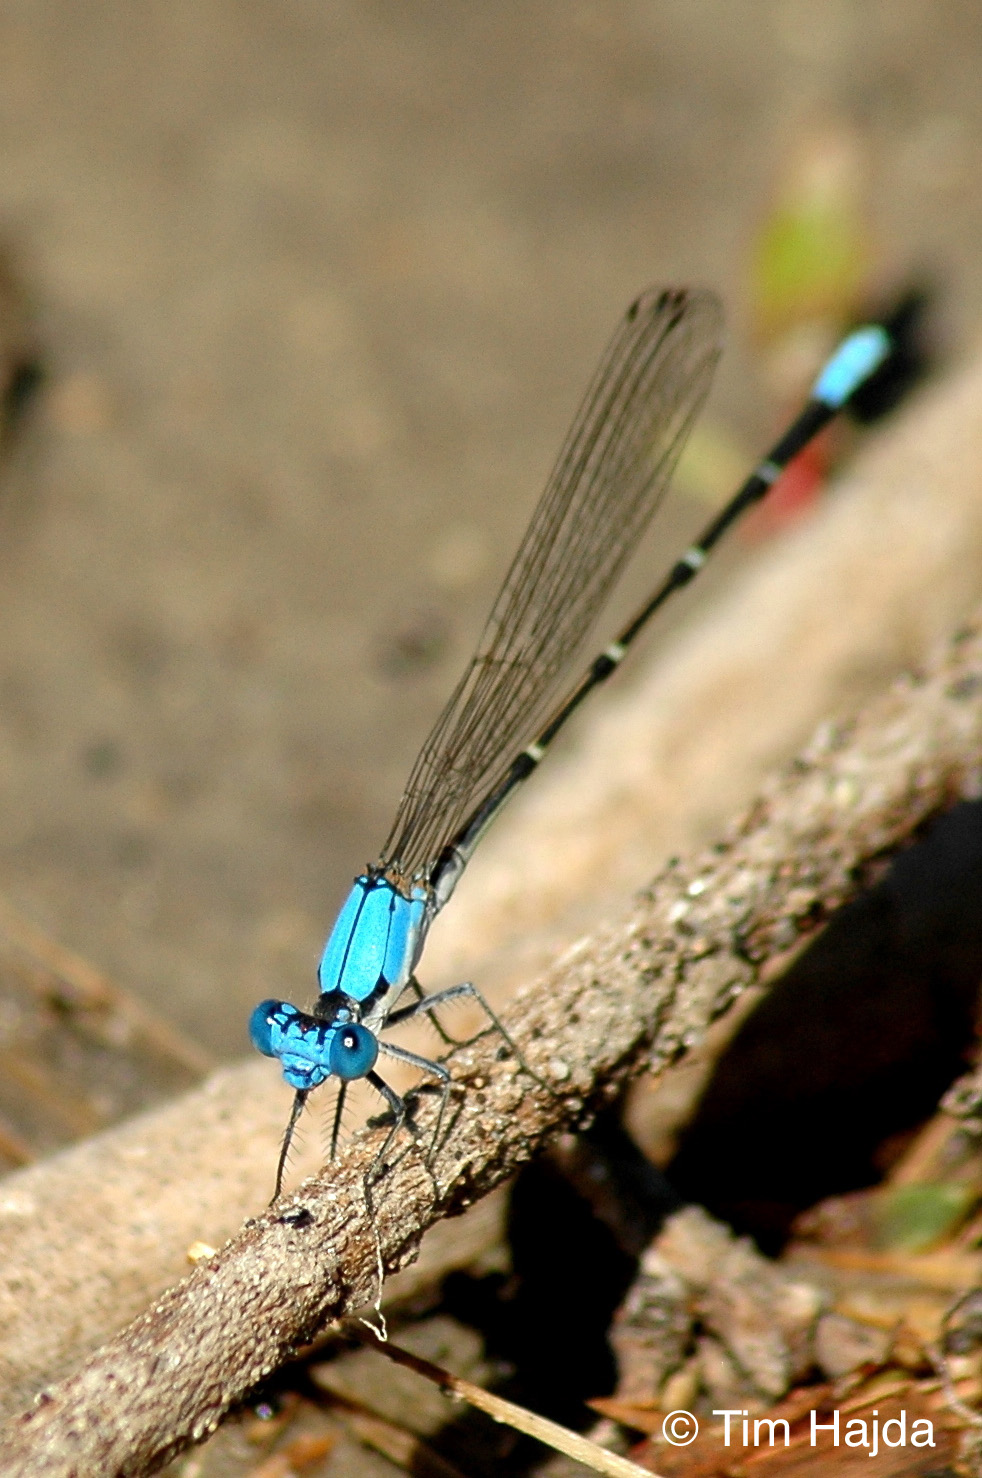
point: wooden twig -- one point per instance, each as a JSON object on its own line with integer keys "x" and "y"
{"x": 519, "y": 1418}
{"x": 635, "y": 995}
{"x": 401, "y": 1446}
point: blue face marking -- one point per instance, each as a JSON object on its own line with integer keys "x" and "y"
{"x": 374, "y": 942}
{"x": 853, "y": 362}
{"x": 309, "y": 1050}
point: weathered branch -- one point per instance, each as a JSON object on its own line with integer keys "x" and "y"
{"x": 637, "y": 993}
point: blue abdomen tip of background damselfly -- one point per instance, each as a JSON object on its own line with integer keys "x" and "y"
{"x": 851, "y": 365}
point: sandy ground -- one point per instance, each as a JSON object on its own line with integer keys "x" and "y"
{"x": 318, "y": 286}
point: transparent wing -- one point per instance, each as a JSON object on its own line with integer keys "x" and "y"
{"x": 607, "y": 483}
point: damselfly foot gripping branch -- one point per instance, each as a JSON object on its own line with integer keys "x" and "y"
{"x": 610, "y": 478}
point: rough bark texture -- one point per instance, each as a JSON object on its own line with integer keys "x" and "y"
{"x": 637, "y": 993}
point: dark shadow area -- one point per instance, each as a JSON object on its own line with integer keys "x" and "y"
{"x": 578, "y": 1220}
{"x": 547, "y": 1323}
{"x": 853, "y": 1047}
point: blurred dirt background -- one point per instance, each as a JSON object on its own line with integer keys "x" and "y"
{"x": 317, "y": 286}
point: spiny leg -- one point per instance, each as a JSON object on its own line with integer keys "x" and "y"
{"x": 299, "y": 1099}
{"x": 441, "y": 1031}
{"x": 454, "y": 992}
{"x": 438, "y": 1071}
{"x": 401, "y": 1117}
{"x": 336, "y": 1126}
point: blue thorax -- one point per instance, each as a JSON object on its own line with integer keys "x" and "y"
{"x": 374, "y": 944}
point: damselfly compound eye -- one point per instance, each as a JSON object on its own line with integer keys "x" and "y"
{"x": 261, "y": 1027}
{"x": 353, "y": 1052}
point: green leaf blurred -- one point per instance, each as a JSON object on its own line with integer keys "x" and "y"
{"x": 812, "y": 253}
{"x": 912, "y": 1218}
